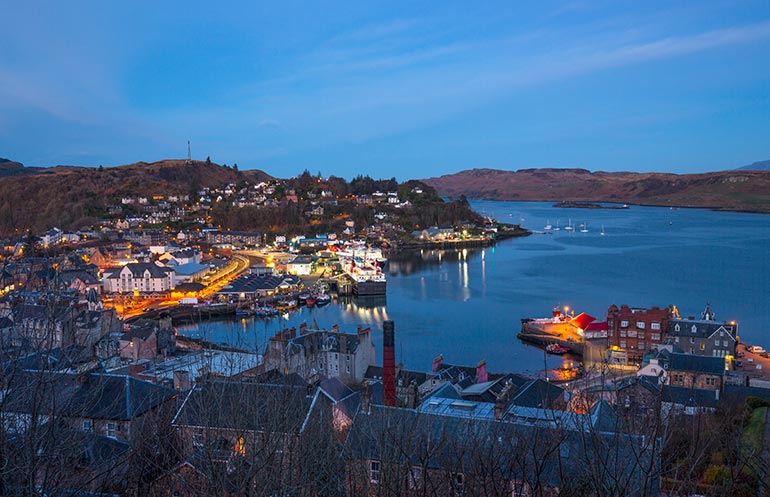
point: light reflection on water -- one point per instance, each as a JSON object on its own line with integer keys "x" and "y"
{"x": 467, "y": 305}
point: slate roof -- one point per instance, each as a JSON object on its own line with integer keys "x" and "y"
{"x": 98, "y": 396}
{"x": 697, "y": 364}
{"x": 245, "y": 406}
{"x": 703, "y": 328}
{"x": 538, "y": 393}
{"x": 137, "y": 270}
{"x": 318, "y": 339}
{"x": 689, "y": 397}
{"x": 190, "y": 287}
{"x": 335, "y": 389}
{"x": 59, "y": 312}
{"x": 252, "y": 282}
{"x": 452, "y": 443}
{"x": 71, "y": 275}
{"x": 403, "y": 375}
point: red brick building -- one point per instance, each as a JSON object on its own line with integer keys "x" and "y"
{"x": 633, "y": 331}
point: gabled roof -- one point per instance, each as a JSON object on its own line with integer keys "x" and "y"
{"x": 697, "y": 364}
{"x": 335, "y": 389}
{"x": 245, "y": 406}
{"x": 98, "y": 396}
{"x": 699, "y": 328}
{"x": 538, "y": 393}
{"x": 689, "y": 397}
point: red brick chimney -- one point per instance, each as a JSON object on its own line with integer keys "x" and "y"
{"x": 481, "y": 372}
{"x": 388, "y": 363}
{"x": 438, "y": 361}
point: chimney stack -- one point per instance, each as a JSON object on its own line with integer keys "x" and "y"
{"x": 388, "y": 363}
{"x": 481, "y": 372}
{"x": 438, "y": 361}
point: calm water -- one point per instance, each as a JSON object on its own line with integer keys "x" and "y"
{"x": 467, "y": 305}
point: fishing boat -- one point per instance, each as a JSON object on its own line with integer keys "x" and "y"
{"x": 310, "y": 301}
{"x": 556, "y": 349}
{"x": 322, "y": 300}
{"x": 266, "y": 311}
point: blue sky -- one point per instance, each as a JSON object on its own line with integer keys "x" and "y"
{"x": 407, "y": 89}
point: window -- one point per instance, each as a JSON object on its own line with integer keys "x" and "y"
{"x": 415, "y": 476}
{"x": 240, "y": 446}
{"x": 711, "y": 381}
{"x": 692, "y": 339}
{"x": 87, "y": 426}
{"x": 347, "y": 368}
{"x": 111, "y": 430}
{"x": 622, "y": 344}
{"x": 655, "y": 337}
{"x": 655, "y": 325}
{"x": 624, "y": 323}
{"x": 623, "y": 333}
{"x": 724, "y": 343}
{"x": 458, "y": 479}
{"x": 703, "y": 346}
{"x": 641, "y": 325}
{"x": 197, "y": 437}
{"x": 374, "y": 471}
{"x": 641, "y": 335}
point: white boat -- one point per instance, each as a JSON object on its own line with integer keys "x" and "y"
{"x": 557, "y": 226}
{"x": 548, "y": 225}
{"x": 602, "y": 232}
{"x": 569, "y": 226}
{"x": 584, "y": 228}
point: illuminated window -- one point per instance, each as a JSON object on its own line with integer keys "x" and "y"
{"x": 240, "y": 446}
{"x": 655, "y": 325}
{"x": 624, "y": 323}
{"x": 641, "y": 325}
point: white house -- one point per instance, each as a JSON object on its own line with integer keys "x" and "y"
{"x": 143, "y": 277}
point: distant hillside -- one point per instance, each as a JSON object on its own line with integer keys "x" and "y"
{"x": 728, "y": 190}
{"x": 72, "y": 197}
{"x": 763, "y": 165}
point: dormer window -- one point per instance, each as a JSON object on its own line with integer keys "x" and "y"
{"x": 694, "y": 329}
{"x": 676, "y": 328}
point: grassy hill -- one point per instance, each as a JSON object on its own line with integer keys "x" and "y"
{"x": 742, "y": 190}
{"x": 72, "y": 197}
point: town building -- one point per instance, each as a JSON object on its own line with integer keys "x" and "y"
{"x": 633, "y": 331}
{"x": 704, "y": 336}
{"x": 142, "y": 277}
{"x": 696, "y": 371}
{"x": 317, "y": 353}
{"x": 237, "y": 238}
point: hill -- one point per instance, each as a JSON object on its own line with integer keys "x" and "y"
{"x": 71, "y": 197}
{"x": 763, "y": 165}
{"x": 726, "y": 190}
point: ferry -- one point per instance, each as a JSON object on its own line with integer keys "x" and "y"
{"x": 364, "y": 268}
{"x": 560, "y": 329}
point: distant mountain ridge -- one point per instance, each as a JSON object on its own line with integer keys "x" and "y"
{"x": 72, "y": 197}
{"x": 739, "y": 190}
{"x": 763, "y": 165}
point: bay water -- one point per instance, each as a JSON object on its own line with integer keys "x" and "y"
{"x": 467, "y": 304}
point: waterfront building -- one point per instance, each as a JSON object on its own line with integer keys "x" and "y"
{"x": 316, "y": 353}
{"x": 633, "y": 331}
{"x": 704, "y": 336}
{"x": 141, "y": 277}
